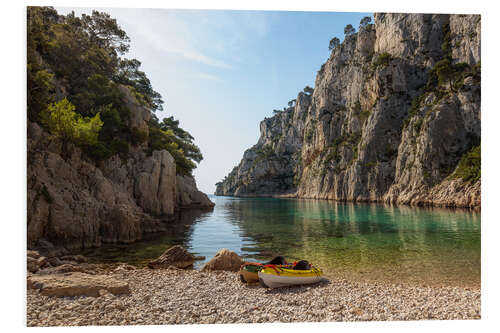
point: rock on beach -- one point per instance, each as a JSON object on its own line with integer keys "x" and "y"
{"x": 76, "y": 284}
{"x": 224, "y": 260}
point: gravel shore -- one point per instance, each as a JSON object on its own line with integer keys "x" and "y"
{"x": 170, "y": 296}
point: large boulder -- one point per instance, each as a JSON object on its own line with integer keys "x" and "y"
{"x": 76, "y": 284}
{"x": 188, "y": 194}
{"x": 155, "y": 184}
{"x": 176, "y": 256}
{"x": 224, "y": 260}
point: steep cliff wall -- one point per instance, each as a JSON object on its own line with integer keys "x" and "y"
{"x": 382, "y": 124}
{"x": 74, "y": 203}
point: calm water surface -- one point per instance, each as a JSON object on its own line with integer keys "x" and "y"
{"x": 429, "y": 246}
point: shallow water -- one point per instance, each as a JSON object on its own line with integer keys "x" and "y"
{"x": 370, "y": 241}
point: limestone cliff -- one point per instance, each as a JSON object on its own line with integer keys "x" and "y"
{"x": 382, "y": 124}
{"x": 75, "y": 203}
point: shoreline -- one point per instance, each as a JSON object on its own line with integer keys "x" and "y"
{"x": 419, "y": 205}
{"x": 428, "y": 279}
{"x": 173, "y": 296}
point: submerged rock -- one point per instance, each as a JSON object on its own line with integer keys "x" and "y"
{"x": 76, "y": 258}
{"x": 176, "y": 256}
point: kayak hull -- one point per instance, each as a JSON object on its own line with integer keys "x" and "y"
{"x": 249, "y": 277}
{"x": 273, "y": 280}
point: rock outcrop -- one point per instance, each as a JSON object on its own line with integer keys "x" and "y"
{"x": 188, "y": 195}
{"x": 74, "y": 203}
{"x": 35, "y": 261}
{"x": 379, "y": 125}
{"x": 176, "y": 256}
{"x": 224, "y": 260}
{"x": 40, "y": 265}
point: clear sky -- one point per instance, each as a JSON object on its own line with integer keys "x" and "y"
{"x": 221, "y": 72}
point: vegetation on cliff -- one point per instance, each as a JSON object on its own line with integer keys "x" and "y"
{"x": 75, "y": 67}
{"x": 469, "y": 167}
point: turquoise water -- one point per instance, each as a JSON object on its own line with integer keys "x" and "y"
{"x": 371, "y": 241}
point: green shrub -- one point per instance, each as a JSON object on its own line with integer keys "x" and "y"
{"x": 370, "y": 27}
{"x": 382, "y": 59}
{"x": 62, "y": 121}
{"x": 333, "y": 155}
{"x": 120, "y": 147}
{"x": 445, "y": 72}
{"x": 137, "y": 137}
{"x": 40, "y": 91}
{"x": 446, "y": 45}
{"x": 266, "y": 152}
{"x": 98, "y": 152}
{"x": 167, "y": 135}
{"x": 469, "y": 167}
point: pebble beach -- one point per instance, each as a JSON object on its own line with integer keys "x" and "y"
{"x": 174, "y": 296}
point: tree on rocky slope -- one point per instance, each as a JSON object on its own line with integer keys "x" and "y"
{"x": 179, "y": 143}
{"x": 349, "y": 30}
{"x": 308, "y": 90}
{"x": 334, "y": 42}
{"x": 365, "y": 21}
{"x": 63, "y": 122}
{"x": 81, "y": 59}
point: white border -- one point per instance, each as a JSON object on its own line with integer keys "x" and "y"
{"x": 13, "y": 164}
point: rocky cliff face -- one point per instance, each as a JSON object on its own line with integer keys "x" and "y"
{"x": 268, "y": 168}
{"x": 74, "y": 203}
{"x": 381, "y": 125}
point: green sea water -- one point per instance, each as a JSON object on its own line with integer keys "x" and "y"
{"x": 363, "y": 241}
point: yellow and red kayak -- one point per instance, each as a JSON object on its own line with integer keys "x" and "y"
{"x": 272, "y": 276}
{"x": 249, "y": 271}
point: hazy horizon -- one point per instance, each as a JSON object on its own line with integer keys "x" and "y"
{"x": 221, "y": 72}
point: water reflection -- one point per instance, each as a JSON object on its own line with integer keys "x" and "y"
{"x": 365, "y": 240}
{"x": 379, "y": 241}
{"x": 153, "y": 245}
